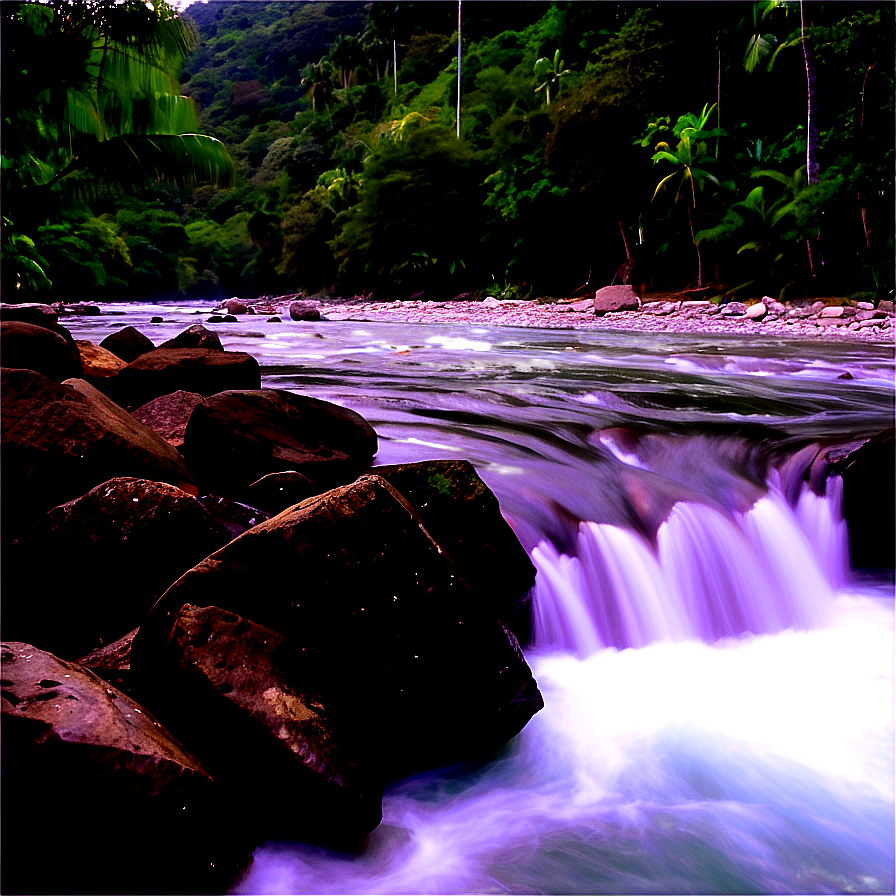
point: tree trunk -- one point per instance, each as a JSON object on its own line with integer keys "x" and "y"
{"x": 458, "y": 68}
{"x": 625, "y": 270}
{"x": 719, "y": 102}
{"x": 699, "y": 259}
{"x": 394, "y": 59}
{"x": 811, "y": 129}
{"x": 863, "y": 209}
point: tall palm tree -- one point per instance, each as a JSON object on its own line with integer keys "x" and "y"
{"x": 549, "y": 72}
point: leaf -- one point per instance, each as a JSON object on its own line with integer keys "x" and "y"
{"x": 751, "y": 245}
{"x": 758, "y": 48}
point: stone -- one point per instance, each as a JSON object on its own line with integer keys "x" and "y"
{"x": 235, "y": 306}
{"x": 79, "y": 308}
{"x": 168, "y": 415}
{"x": 670, "y": 307}
{"x": 277, "y": 491}
{"x": 30, "y": 313}
{"x": 615, "y": 298}
{"x": 228, "y": 319}
{"x": 60, "y": 440}
{"x": 236, "y": 437}
{"x": 586, "y": 306}
{"x": 270, "y": 746}
{"x": 832, "y": 311}
{"x": 128, "y": 343}
{"x": 411, "y": 660}
{"x": 733, "y": 309}
{"x": 134, "y": 536}
{"x": 274, "y": 320}
{"x": 196, "y": 336}
{"x": 31, "y": 347}
{"x": 100, "y": 367}
{"x": 462, "y": 515}
{"x": 864, "y": 323}
{"x": 865, "y": 306}
{"x": 304, "y": 311}
{"x": 201, "y": 370}
{"x": 104, "y": 799}
{"x": 216, "y": 319}
{"x": 757, "y": 311}
{"x": 491, "y": 302}
{"x": 233, "y": 515}
{"x": 864, "y": 313}
{"x": 869, "y": 484}
{"x": 886, "y": 305}
{"x": 156, "y": 320}
{"x": 112, "y": 662}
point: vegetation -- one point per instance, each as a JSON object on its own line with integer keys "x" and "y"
{"x": 271, "y": 147}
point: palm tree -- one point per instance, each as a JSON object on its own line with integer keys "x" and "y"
{"x": 317, "y": 79}
{"x": 549, "y": 72}
{"x": 347, "y": 54}
{"x": 688, "y": 157}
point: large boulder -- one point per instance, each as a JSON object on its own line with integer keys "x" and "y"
{"x": 100, "y": 367}
{"x": 129, "y": 538}
{"x": 201, "y": 370}
{"x": 30, "y": 313}
{"x": 414, "y": 665}
{"x": 236, "y": 437}
{"x": 196, "y": 336}
{"x": 37, "y": 348}
{"x": 270, "y": 746}
{"x": 277, "y": 491}
{"x": 128, "y": 343}
{"x": 869, "y": 484}
{"x": 60, "y": 440}
{"x": 168, "y": 415}
{"x": 97, "y": 797}
{"x": 615, "y": 298}
{"x": 462, "y": 514}
{"x": 304, "y": 311}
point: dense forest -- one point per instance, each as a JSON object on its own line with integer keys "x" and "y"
{"x": 247, "y": 148}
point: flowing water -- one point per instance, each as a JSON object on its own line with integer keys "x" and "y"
{"x": 718, "y": 682}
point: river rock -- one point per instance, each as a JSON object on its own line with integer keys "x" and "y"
{"x": 196, "y": 336}
{"x": 128, "y": 343}
{"x": 112, "y": 662}
{"x": 269, "y": 746}
{"x": 201, "y": 370}
{"x": 462, "y": 514}
{"x": 832, "y": 311}
{"x": 410, "y": 659}
{"x": 615, "y": 298}
{"x": 31, "y": 313}
{"x": 31, "y": 347}
{"x": 61, "y": 440}
{"x": 236, "y": 437}
{"x": 100, "y": 367}
{"x": 104, "y": 799}
{"x": 304, "y": 311}
{"x": 757, "y": 311}
{"x": 135, "y": 536}
{"x": 168, "y": 415}
{"x": 277, "y": 491}
{"x": 234, "y": 516}
{"x": 869, "y": 483}
{"x": 733, "y": 309}
{"x": 235, "y": 306}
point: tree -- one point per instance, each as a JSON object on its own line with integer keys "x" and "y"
{"x": 549, "y": 72}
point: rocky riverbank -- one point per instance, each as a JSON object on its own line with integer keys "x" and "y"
{"x": 612, "y": 308}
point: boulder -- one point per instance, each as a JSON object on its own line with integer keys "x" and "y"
{"x": 128, "y": 343}
{"x": 236, "y": 437}
{"x": 235, "y": 306}
{"x": 31, "y": 347}
{"x": 462, "y": 515}
{"x": 61, "y": 440}
{"x": 112, "y": 662}
{"x": 757, "y": 311}
{"x": 733, "y": 309}
{"x": 196, "y": 336}
{"x": 30, "y": 313}
{"x": 832, "y": 311}
{"x": 234, "y": 516}
{"x": 304, "y": 311}
{"x": 411, "y": 661}
{"x": 168, "y": 415}
{"x": 277, "y": 491}
{"x": 131, "y": 538}
{"x": 615, "y": 298}
{"x": 201, "y": 370}
{"x": 270, "y": 746}
{"x": 104, "y": 799}
{"x": 869, "y": 483}
{"x": 100, "y": 367}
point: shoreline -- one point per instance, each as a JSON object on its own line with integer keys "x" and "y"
{"x": 693, "y": 317}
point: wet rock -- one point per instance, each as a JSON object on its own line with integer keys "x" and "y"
{"x": 196, "y": 336}
{"x": 168, "y": 415}
{"x": 235, "y": 306}
{"x": 136, "y": 536}
{"x": 462, "y": 515}
{"x": 112, "y": 662}
{"x": 277, "y": 491}
{"x": 757, "y": 311}
{"x": 156, "y": 320}
{"x": 270, "y": 746}
{"x": 236, "y": 437}
{"x": 31, "y": 347}
{"x": 886, "y": 305}
{"x": 128, "y": 343}
{"x": 615, "y": 298}
{"x": 869, "y": 484}
{"x": 100, "y": 367}
{"x": 583, "y": 307}
{"x": 411, "y": 661}
{"x": 274, "y": 320}
{"x": 304, "y": 311}
{"x": 104, "y": 799}
{"x": 201, "y": 370}
{"x": 235, "y": 516}
{"x": 832, "y": 311}
{"x": 216, "y": 319}
{"x": 733, "y": 309}
{"x": 228, "y": 319}
{"x": 30, "y": 313}
{"x": 61, "y": 440}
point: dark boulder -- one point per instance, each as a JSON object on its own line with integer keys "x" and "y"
{"x": 869, "y": 486}
{"x": 196, "y": 336}
{"x": 277, "y": 491}
{"x": 31, "y": 347}
{"x": 413, "y": 664}
{"x": 234, "y": 516}
{"x": 61, "y": 440}
{"x": 112, "y": 662}
{"x": 304, "y": 311}
{"x": 131, "y": 538}
{"x": 270, "y": 747}
{"x": 168, "y": 415}
{"x": 100, "y": 367}
{"x": 30, "y": 313}
{"x": 201, "y": 370}
{"x": 97, "y": 797}
{"x": 615, "y": 298}
{"x": 236, "y": 437}
{"x": 462, "y": 514}
{"x": 128, "y": 343}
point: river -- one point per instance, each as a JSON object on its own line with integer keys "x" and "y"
{"x": 718, "y": 682}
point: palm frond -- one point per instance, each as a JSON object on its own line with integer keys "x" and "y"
{"x": 759, "y": 46}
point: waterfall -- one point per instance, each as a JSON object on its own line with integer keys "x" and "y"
{"x": 711, "y": 572}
